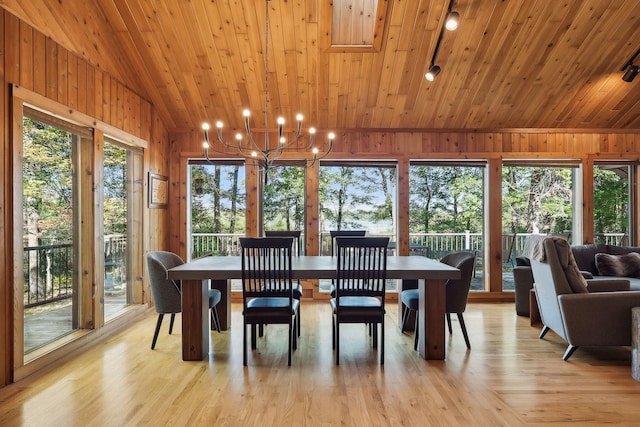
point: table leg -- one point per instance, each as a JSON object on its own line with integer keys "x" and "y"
{"x": 224, "y": 306}
{"x": 195, "y": 319}
{"x": 431, "y": 319}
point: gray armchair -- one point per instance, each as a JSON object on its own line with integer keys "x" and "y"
{"x": 582, "y": 312}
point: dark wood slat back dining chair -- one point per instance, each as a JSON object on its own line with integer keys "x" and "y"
{"x": 361, "y": 277}
{"x": 267, "y": 288}
{"x": 341, "y": 233}
{"x": 166, "y": 293}
{"x": 297, "y": 250}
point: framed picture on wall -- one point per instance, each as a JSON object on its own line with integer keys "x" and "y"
{"x": 158, "y": 191}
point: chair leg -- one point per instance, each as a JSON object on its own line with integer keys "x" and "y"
{"x": 373, "y": 329}
{"x": 464, "y": 330}
{"x": 155, "y": 334}
{"x": 382, "y": 341}
{"x": 333, "y": 332}
{"x": 337, "y": 343}
{"x": 215, "y": 318}
{"x": 261, "y": 330}
{"x": 291, "y": 333}
{"x": 416, "y": 333}
{"x": 298, "y": 320}
{"x": 244, "y": 344}
{"x": 570, "y": 350}
{"x": 254, "y": 340}
{"x": 544, "y": 331}
{"x": 173, "y": 317}
{"x": 405, "y": 317}
{"x": 449, "y": 323}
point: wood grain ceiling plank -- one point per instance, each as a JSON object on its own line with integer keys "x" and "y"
{"x": 424, "y": 38}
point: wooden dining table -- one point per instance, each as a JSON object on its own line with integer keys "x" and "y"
{"x": 217, "y": 272}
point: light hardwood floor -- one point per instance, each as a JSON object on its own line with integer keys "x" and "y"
{"x": 508, "y": 378}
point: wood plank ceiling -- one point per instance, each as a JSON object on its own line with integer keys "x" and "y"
{"x": 510, "y": 64}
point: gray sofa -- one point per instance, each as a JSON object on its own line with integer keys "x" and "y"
{"x": 585, "y": 256}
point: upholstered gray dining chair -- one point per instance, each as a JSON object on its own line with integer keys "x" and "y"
{"x": 166, "y": 293}
{"x": 457, "y": 294}
{"x": 360, "y": 287}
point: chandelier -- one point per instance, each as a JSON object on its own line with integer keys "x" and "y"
{"x": 265, "y": 156}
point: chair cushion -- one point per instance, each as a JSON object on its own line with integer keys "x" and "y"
{"x": 358, "y": 309}
{"x": 270, "y": 310}
{"x": 627, "y": 265}
{"x": 410, "y": 298}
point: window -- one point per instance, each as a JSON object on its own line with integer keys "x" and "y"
{"x": 612, "y": 202}
{"x": 446, "y": 210}
{"x": 357, "y": 196}
{"x": 216, "y": 207}
{"x": 122, "y": 198}
{"x": 537, "y": 198}
{"x": 50, "y": 217}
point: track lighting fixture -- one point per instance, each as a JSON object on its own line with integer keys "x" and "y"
{"x": 632, "y": 70}
{"x": 452, "y": 21}
{"x": 434, "y": 70}
{"x": 631, "y": 73}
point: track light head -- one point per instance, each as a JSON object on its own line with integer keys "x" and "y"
{"x": 434, "y": 70}
{"x": 452, "y": 21}
{"x": 631, "y": 73}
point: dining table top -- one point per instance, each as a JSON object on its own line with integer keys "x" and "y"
{"x": 313, "y": 267}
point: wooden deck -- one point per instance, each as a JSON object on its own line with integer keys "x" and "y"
{"x": 508, "y": 378}
{"x": 47, "y": 323}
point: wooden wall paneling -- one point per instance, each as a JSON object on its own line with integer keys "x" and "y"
{"x": 11, "y": 48}
{"x": 89, "y": 94}
{"x": 51, "y": 68}
{"x": 113, "y": 102}
{"x": 120, "y": 111}
{"x": 72, "y": 81}
{"x": 64, "y": 75}
{"x": 105, "y": 108}
{"x": 81, "y": 87}
{"x": 26, "y": 55}
{"x": 39, "y": 63}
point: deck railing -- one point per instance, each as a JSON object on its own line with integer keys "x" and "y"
{"x": 48, "y": 269}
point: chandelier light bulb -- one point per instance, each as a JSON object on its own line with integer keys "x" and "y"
{"x": 299, "y": 117}
{"x": 205, "y": 145}
{"x": 246, "y": 113}
{"x": 332, "y": 136}
{"x": 280, "y": 121}
{"x": 205, "y": 126}
{"x": 218, "y": 125}
{"x": 312, "y": 131}
{"x": 315, "y": 151}
{"x": 238, "y": 137}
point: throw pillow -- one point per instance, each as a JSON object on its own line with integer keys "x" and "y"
{"x": 627, "y": 265}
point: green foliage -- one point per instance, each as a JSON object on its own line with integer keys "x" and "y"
{"x": 611, "y": 199}
{"x": 283, "y": 198}
{"x": 47, "y": 182}
{"x": 217, "y": 199}
{"x": 536, "y": 199}
{"x": 445, "y": 199}
{"x": 353, "y": 196}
